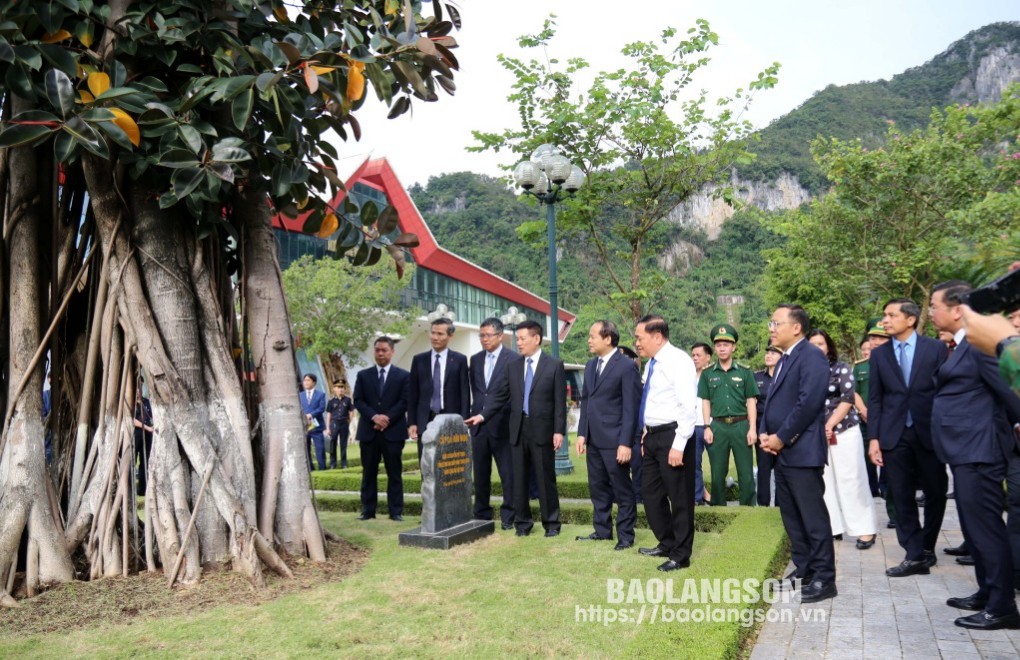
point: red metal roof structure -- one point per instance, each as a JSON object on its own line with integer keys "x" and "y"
{"x": 378, "y": 174}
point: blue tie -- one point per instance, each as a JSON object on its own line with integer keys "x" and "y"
{"x": 648, "y": 388}
{"x": 905, "y": 368}
{"x": 529, "y": 376}
{"x": 437, "y": 388}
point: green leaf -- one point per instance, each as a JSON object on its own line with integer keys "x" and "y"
{"x": 185, "y": 180}
{"x": 229, "y": 154}
{"x": 369, "y": 213}
{"x": 98, "y": 114}
{"x": 6, "y": 52}
{"x": 18, "y": 81}
{"x": 87, "y": 137}
{"x": 115, "y": 93}
{"x": 117, "y": 134}
{"x": 178, "y": 158}
{"x": 29, "y": 56}
{"x": 361, "y": 256}
{"x": 267, "y": 80}
{"x": 191, "y": 137}
{"x": 241, "y": 107}
{"x": 64, "y": 147}
{"x": 154, "y": 85}
{"x": 17, "y": 134}
{"x": 373, "y": 256}
{"x": 59, "y": 57}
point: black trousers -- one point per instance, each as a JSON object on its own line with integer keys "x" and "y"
{"x": 390, "y": 454}
{"x": 911, "y": 465}
{"x": 871, "y": 467}
{"x": 485, "y": 449}
{"x": 766, "y": 464}
{"x": 669, "y": 494}
{"x": 800, "y": 496}
{"x": 978, "y": 488}
{"x": 609, "y": 481}
{"x": 338, "y": 438}
{"x": 528, "y": 454}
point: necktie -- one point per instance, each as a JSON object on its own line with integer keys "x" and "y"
{"x": 648, "y": 388}
{"x": 952, "y": 346}
{"x": 382, "y": 378}
{"x": 309, "y": 396}
{"x": 490, "y": 363}
{"x": 779, "y": 366}
{"x": 437, "y": 388}
{"x": 598, "y": 372}
{"x": 905, "y": 368}
{"x": 529, "y": 376}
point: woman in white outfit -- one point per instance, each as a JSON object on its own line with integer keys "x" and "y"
{"x": 847, "y": 494}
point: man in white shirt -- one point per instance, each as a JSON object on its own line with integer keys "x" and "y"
{"x": 667, "y": 415}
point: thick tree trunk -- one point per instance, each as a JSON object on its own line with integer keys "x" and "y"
{"x": 287, "y": 505}
{"x": 23, "y": 477}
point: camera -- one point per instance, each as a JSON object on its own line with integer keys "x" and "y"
{"x": 1002, "y": 295}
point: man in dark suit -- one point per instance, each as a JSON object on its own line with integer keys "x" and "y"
{"x": 537, "y": 391}
{"x": 380, "y": 396}
{"x": 313, "y": 405}
{"x": 491, "y": 440}
{"x": 793, "y": 429}
{"x": 972, "y": 432}
{"x": 902, "y": 389}
{"x": 608, "y": 433}
{"x": 439, "y": 382}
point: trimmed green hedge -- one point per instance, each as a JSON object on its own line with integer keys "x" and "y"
{"x": 706, "y": 519}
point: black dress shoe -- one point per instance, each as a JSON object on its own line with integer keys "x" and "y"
{"x": 623, "y": 546}
{"x": 653, "y": 552}
{"x": 523, "y": 532}
{"x": 908, "y": 567}
{"x": 864, "y": 545}
{"x": 817, "y": 591}
{"x": 891, "y": 524}
{"x": 921, "y": 500}
{"x": 968, "y": 603}
{"x": 837, "y": 537}
{"x": 549, "y": 533}
{"x": 367, "y": 516}
{"x": 671, "y": 565}
{"x": 930, "y": 558}
{"x": 397, "y": 517}
{"x": 986, "y": 621}
{"x": 966, "y": 560}
{"x": 958, "y": 551}
{"x": 791, "y": 582}
{"x": 507, "y": 525}
{"x": 593, "y": 537}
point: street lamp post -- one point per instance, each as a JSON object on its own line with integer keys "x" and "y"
{"x": 512, "y": 319}
{"x": 442, "y": 312}
{"x": 550, "y": 177}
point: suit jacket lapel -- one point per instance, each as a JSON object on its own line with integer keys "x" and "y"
{"x": 914, "y": 364}
{"x": 543, "y": 366}
{"x": 954, "y": 359}
{"x": 610, "y": 363}
{"x": 790, "y": 359}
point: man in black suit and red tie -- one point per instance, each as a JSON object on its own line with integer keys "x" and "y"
{"x": 792, "y": 428}
{"x": 439, "y": 382}
{"x": 491, "y": 440}
{"x": 380, "y": 395}
{"x": 902, "y": 390}
{"x": 536, "y": 388}
{"x": 608, "y": 433}
{"x": 972, "y": 420}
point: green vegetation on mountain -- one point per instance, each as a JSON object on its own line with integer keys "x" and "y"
{"x": 865, "y": 110}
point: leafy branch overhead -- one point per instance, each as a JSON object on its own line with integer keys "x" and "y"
{"x": 202, "y": 101}
{"x": 645, "y": 141}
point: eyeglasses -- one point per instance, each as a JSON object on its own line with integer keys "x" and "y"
{"x": 775, "y": 324}
{"x": 488, "y": 335}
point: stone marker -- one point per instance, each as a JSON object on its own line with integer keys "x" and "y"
{"x": 446, "y": 488}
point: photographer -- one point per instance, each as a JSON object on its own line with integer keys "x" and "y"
{"x": 996, "y": 335}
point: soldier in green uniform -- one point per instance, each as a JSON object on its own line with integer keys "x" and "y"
{"x": 730, "y": 395}
{"x": 875, "y": 336}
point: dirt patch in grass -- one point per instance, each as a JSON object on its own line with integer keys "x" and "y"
{"x": 115, "y": 601}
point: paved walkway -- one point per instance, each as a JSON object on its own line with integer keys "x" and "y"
{"x": 875, "y": 616}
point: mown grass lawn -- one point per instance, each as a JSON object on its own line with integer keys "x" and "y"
{"x": 501, "y": 596}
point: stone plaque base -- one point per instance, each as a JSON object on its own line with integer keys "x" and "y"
{"x": 445, "y": 539}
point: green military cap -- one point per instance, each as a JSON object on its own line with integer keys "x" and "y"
{"x": 875, "y": 328}
{"x": 774, "y": 348}
{"x": 724, "y": 332}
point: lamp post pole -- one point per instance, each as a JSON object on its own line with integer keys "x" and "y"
{"x": 550, "y": 177}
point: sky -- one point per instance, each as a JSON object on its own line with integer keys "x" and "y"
{"x": 817, "y": 42}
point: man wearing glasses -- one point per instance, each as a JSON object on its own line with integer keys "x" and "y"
{"x": 491, "y": 439}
